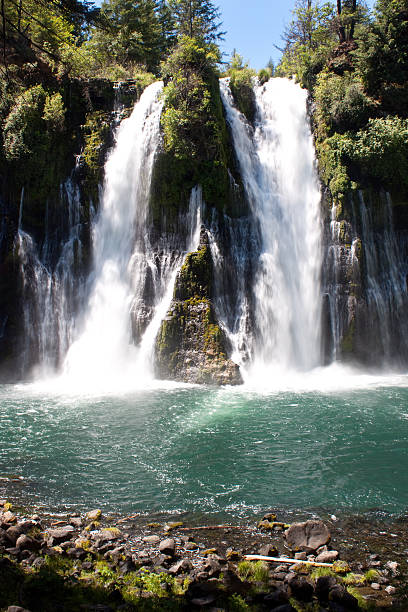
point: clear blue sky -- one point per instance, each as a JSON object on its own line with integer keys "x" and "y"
{"x": 253, "y": 27}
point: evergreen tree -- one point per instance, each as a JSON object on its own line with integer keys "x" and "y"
{"x": 167, "y": 26}
{"x": 197, "y": 19}
{"x": 349, "y": 14}
{"x": 130, "y": 32}
{"x": 382, "y": 56}
{"x": 310, "y": 25}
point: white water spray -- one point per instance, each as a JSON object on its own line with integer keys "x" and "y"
{"x": 104, "y": 355}
{"x": 50, "y": 295}
{"x": 277, "y": 164}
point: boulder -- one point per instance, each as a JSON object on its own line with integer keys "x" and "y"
{"x": 4, "y": 541}
{"x": 7, "y": 518}
{"x": 340, "y": 595}
{"x": 393, "y": 567}
{"x": 300, "y": 588}
{"x": 323, "y": 586}
{"x": 301, "y": 556}
{"x": 307, "y": 536}
{"x": 107, "y": 535}
{"x": 278, "y": 597}
{"x": 203, "y": 591}
{"x": 94, "y": 515}
{"x": 168, "y": 547}
{"x": 212, "y": 566}
{"x": 24, "y": 542}
{"x": 233, "y": 584}
{"x": 182, "y": 567}
{"x": 268, "y": 550}
{"x": 14, "y": 532}
{"x": 59, "y": 535}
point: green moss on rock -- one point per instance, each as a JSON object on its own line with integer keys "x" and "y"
{"x": 191, "y": 346}
{"x": 196, "y": 143}
{"x": 241, "y": 84}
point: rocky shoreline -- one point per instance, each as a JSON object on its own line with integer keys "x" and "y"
{"x": 106, "y": 563}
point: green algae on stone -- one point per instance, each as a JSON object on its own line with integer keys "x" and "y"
{"x": 191, "y": 346}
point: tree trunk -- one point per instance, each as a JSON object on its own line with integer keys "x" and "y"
{"x": 341, "y": 29}
{"x": 353, "y": 20}
{"x": 190, "y": 9}
{"x": 3, "y": 16}
{"x": 19, "y": 11}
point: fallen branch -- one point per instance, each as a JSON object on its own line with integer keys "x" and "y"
{"x": 285, "y": 560}
{"x": 128, "y": 518}
{"x": 209, "y": 527}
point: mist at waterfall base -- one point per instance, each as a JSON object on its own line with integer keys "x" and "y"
{"x": 296, "y": 435}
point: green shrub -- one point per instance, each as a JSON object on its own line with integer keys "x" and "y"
{"x": 187, "y": 119}
{"x": 380, "y": 151}
{"x": 242, "y": 88}
{"x": 54, "y": 112}
{"x": 341, "y": 103}
{"x": 23, "y": 126}
{"x": 254, "y": 571}
{"x": 264, "y": 75}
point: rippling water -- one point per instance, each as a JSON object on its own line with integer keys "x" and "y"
{"x": 338, "y": 443}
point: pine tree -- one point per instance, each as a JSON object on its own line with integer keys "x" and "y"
{"x": 197, "y": 19}
{"x": 382, "y": 56}
{"x": 131, "y": 32}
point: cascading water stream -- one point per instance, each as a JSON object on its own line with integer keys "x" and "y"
{"x": 277, "y": 164}
{"x": 125, "y": 260}
{"x": 51, "y": 293}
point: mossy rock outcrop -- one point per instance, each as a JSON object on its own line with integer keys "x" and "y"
{"x": 191, "y": 346}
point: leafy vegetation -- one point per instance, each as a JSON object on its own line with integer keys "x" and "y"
{"x": 356, "y": 67}
{"x": 241, "y": 83}
{"x": 61, "y": 582}
{"x": 257, "y": 571}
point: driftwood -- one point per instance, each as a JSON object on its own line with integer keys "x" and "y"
{"x": 285, "y": 560}
{"x": 128, "y": 518}
{"x": 209, "y": 527}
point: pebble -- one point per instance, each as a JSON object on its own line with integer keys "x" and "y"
{"x": 301, "y": 556}
{"x": 375, "y": 586}
{"x": 390, "y": 590}
{"x": 393, "y": 567}
{"x": 94, "y": 515}
{"x": 328, "y": 557}
{"x": 152, "y": 539}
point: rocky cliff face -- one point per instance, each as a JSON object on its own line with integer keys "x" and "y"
{"x": 365, "y": 269}
{"x": 45, "y": 239}
{"x": 191, "y": 345}
{"x": 48, "y": 197}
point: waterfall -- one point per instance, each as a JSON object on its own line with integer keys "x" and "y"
{"x": 386, "y": 274}
{"x": 277, "y": 164}
{"x": 365, "y": 281}
{"x": 234, "y": 246}
{"x": 50, "y": 293}
{"x": 134, "y": 272}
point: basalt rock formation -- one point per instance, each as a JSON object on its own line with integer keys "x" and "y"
{"x": 191, "y": 346}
